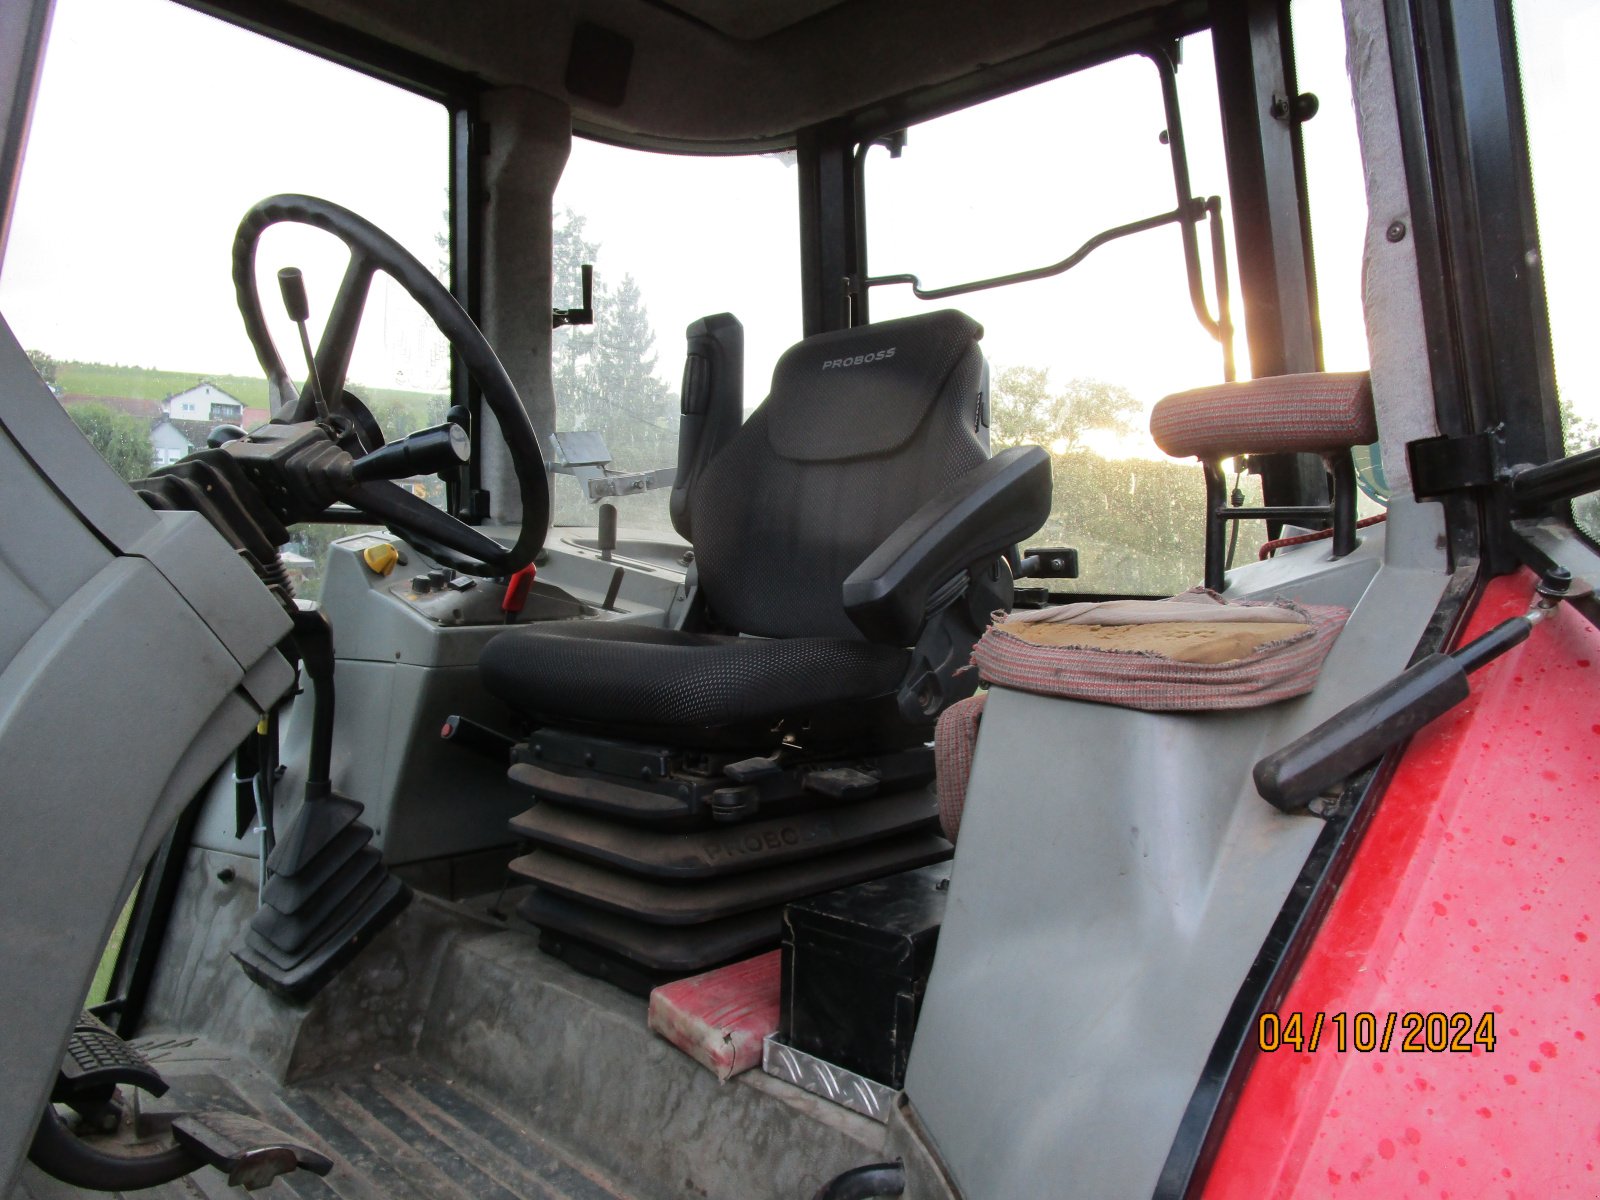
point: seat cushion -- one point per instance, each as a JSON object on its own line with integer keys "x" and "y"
{"x": 624, "y": 674}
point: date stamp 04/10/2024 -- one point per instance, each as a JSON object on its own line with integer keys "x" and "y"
{"x": 1367, "y": 1032}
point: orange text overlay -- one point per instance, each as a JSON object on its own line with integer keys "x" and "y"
{"x": 1365, "y": 1032}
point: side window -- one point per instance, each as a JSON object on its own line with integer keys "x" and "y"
{"x": 1554, "y": 45}
{"x": 1337, "y": 199}
{"x": 1077, "y": 360}
{"x": 155, "y": 129}
{"x": 718, "y": 234}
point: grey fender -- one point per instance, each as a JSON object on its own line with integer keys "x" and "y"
{"x": 136, "y": 651}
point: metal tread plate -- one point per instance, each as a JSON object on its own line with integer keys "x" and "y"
{"x": 855, "y": 1092}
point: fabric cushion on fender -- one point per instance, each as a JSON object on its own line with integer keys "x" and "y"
{"x": 1195, "y": 651}
{"x": 610, "y": 671}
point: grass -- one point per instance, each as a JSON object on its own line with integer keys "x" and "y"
{"x": 149, "y": 383}
{"x": 108, "y": 958}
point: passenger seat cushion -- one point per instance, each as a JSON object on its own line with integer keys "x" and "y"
{"x": 1192, "y": 652}
{"x": 1314, "y": 413}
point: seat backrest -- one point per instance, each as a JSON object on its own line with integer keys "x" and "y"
{"x": 861, "y": 428}
{"x": 711, "y": 404}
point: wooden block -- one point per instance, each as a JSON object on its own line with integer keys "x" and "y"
{"x": 720, "y": 1018}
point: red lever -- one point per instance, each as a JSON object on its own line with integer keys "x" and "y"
{"x": 517, "y": 590}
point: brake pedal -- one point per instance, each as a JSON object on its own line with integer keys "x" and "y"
{"x": 97, "y": 1061}
{"x": 249, "y": 1152}
{"x": 104, "y": 1151}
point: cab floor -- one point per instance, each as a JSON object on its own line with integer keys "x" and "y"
{"x": 398, "y": 1130}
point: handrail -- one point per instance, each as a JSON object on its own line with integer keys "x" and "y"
{"x": 1033, "y": 273}
{"x": 1189, "y": 212}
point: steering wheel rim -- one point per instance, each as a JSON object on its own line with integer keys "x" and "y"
{"x": 437, "y": 534}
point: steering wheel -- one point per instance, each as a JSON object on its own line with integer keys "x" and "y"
{"x": 437, "y": 534}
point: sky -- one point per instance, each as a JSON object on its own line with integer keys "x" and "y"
{"x": 157, "y": 127}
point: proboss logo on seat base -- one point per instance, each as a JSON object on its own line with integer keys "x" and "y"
{"x": 860, "y": 359}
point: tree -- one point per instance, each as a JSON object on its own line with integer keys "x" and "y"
{"x": 1579, "y": 433}
{"x": 1024, "y": 410}
{"x": 122, "y": 440}
{"x": 44, "y": 364}
{"x": 630, "y": 404}
{"x": 605, "y": 374}
{"x": 572, "y": 344}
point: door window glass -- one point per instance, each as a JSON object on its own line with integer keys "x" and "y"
{"x": 1078, "y": 360}
{"x": 1555, "y": 39}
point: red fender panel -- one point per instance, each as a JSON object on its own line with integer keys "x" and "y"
{"x": 1476, "y": 890}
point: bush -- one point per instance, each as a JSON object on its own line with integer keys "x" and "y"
{"x": 122, "y": 440}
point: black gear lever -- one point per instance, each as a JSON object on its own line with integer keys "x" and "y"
{"x": 293, "y": 286}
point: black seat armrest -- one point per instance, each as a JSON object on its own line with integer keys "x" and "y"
{"x": 978, "y": 516}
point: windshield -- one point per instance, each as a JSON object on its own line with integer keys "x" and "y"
{"x": 716, "y": 235}
{"x": 152, "y": 135}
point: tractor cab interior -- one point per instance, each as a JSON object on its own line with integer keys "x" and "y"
{"x": 443, "y": 752}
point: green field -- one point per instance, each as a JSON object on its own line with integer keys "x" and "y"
{"x": 149, "y": 383}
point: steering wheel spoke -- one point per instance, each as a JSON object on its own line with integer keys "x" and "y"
{"x": 433, "y": 531}
{"x": 344, "y": 321}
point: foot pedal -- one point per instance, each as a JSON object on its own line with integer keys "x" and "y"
{"x": 249, "y": 1152}
{"x": 97, "y": 1061}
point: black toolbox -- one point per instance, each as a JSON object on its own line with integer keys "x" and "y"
{"x": 855, "y": 967}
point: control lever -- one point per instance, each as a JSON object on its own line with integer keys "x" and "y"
{"x": 293, "y": 286}
{"x": 1048, "y": 562}
{"x": 471, "y": 735}
{"x": 516, "y": 597}
{"x": 606, "y": 533}
{"x": 1290, "y": 778}
{"x": 425, "y": 452}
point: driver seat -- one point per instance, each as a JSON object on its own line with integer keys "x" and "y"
{"x": 850, "y": 544}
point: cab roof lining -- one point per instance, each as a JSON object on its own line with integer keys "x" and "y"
{"x": 713, "y": 75}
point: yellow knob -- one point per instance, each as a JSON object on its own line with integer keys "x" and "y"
{"x": 380, "y": 559}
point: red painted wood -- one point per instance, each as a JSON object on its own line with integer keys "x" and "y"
{"x": 721, "y": 1017}
{"x": 1477, "y": 888}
